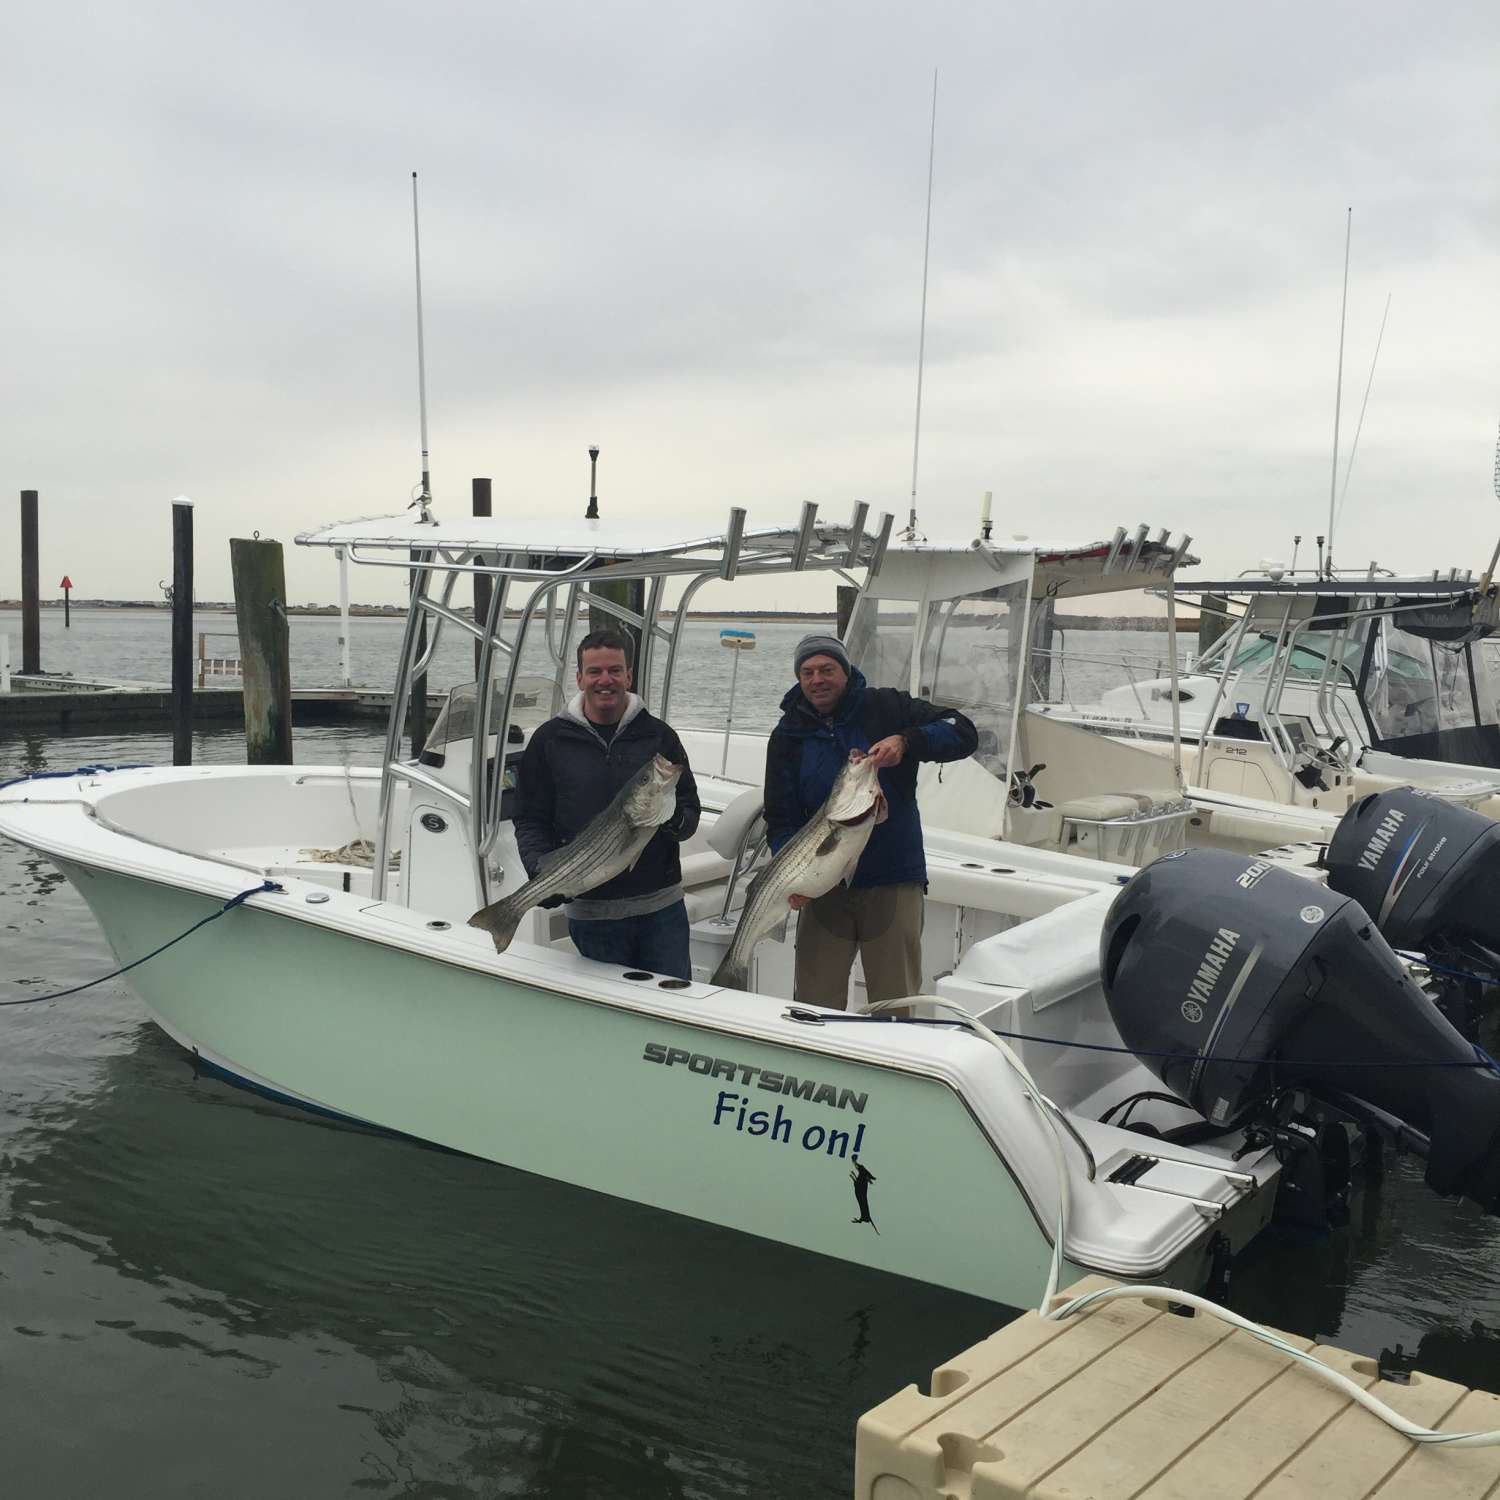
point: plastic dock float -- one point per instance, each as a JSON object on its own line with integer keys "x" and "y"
{"x": 1130, "y": 1399}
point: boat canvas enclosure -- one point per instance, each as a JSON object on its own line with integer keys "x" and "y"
{"x": 973, "y": 628}
{"x": 1398, "y": 652}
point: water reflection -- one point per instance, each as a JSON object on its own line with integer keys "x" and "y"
{"x": 289, "y": 1305}
{"x": 625, "y": 1346}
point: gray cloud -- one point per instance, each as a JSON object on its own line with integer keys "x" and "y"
{"x": 693, "y": 234}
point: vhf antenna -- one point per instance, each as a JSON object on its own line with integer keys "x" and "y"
{"x": 1489, "y": 572}
{"x": 1338, "y": 397}
{"x": 423, "y": 501}
{"x": 911, "y": 534}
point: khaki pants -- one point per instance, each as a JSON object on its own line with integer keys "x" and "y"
{"x": 883, "y": 923}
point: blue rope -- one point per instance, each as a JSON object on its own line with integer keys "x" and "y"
{"x": 138, "y": 765}
{"x": 229, "y": 905}
{"x": 1424, "y": 962}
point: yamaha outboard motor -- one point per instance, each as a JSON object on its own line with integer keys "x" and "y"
{"x": 1235, "y": 980}
{"x": 1428, "y": 871}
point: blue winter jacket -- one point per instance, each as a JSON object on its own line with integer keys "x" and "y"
{"x": 806, "y": 752}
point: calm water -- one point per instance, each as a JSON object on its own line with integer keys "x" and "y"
{"x": 203, "y": 1293}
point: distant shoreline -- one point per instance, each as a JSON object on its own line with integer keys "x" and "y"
{"x": 1186, "y": 625}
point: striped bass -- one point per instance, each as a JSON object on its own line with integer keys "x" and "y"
{"x": 823, "y": 852}
{"x": 609, "y": 845}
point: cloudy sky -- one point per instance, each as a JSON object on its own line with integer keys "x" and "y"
{"x": 692, "y": 233}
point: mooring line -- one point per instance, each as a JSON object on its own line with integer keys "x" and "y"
{"x": 228, "y": 906}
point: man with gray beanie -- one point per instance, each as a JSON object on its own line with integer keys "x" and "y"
{"x": 830, "y": 714}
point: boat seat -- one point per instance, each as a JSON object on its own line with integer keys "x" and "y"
{"x": 729, "y": 830}
{"x": 1106, "y": 806}
{"x": 703, "y": 867}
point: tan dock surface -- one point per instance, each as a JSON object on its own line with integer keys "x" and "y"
{"x": 1128, "y": 1399}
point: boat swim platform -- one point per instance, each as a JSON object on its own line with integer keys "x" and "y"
{"x": 65, "y": 703}
{"x": 1131, "y": 1399}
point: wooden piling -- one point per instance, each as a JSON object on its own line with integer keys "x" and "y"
{"x": 1212, "y": 620}
{"x": 845, "y": 595}
{"x": 416, "y": 708}
{"x": 629, "y": 593}
{"x": 265, "y": 649}
{"x": 31, "y": 586}
{"x": 483, "y": 585}
{"x": 182, "y": 632}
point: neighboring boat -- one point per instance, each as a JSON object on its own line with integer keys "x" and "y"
{"x": 354, "y": 987}
{"x": 1320, "y": 691}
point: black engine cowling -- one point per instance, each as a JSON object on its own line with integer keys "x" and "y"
{"x": 1233, "y": 978}
{"x": 1424, "y": 868}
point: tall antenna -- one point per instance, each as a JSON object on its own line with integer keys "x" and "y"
{"x": 1489, "y": 572}
{"x": 424, "y": 496}
{"x": 1338, "y": 396}
{"x": 1360, "y": 425}
{"x": 911, "y": 534}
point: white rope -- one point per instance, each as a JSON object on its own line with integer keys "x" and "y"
{"x": 1046, "y": 1109}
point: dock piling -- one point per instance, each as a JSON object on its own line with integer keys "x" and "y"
{"x": 265, "y": 649}
{"x": 1213, "y": 620}
{"x": 182, "y": 631}
{"x": 483, "y": 584}
{"x": 844, "y": 596}
{"x": 416, "y": 709}
{"x": 31, "y": 586}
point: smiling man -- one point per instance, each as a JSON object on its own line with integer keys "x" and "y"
{"x": 828, "y": 715}
{"x": 572, "y": 770}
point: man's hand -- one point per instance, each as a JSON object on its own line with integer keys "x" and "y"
{"x": 887, "y": 752}
{"x": 797, "y": 902}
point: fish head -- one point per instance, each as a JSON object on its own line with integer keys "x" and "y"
{"x": 856, "y": 794}
{"x": 652, "y": 797}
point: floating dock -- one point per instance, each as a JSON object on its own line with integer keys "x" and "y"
{"x": 1131, "y": 1399}
{"x": 64, "y": 703}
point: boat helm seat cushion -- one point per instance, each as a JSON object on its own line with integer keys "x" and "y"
{"x": 724, "y": 837}
{"x": 1106, "y": 806}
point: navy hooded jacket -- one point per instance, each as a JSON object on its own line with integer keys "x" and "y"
{"x": 806, "y": 752}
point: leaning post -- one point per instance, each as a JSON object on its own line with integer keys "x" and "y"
{"x": 265, "y": 649}
{"x": 31, "y": 586}
{"x": 182, "y": 631}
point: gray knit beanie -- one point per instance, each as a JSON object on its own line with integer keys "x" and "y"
{"x": 820, "y": 645}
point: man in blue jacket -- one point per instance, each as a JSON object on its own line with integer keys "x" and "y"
{"x": 830, "y": 713}
{"x": 572, "y": 770}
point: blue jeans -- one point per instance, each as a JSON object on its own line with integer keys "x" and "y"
{"x": 657, "y": 942}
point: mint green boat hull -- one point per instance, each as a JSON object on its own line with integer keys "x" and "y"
{"x": 673, "y": 1115}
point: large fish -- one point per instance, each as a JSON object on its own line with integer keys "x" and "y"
{"x": 609, "y": 845}
{"x": 816, "y": 858}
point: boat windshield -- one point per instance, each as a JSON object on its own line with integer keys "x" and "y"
{"x": 970, "y": 657}
{"x": 1308, "y": 656}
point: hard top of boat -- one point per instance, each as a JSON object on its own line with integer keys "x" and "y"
{"x": 1452, "y": 584}
{"x": 1061, "y": 569}
{"x": 616, "y": 537}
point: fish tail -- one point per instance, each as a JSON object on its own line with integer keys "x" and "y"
{"x": 733, "y": 973}
{"x": 500, "y": 919}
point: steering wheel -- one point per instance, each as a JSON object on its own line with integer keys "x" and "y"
{"x": 1022, "y": 791}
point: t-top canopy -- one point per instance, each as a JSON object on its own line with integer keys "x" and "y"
{"x": 812, "y": 543}
{"x": 1061, "y": 570}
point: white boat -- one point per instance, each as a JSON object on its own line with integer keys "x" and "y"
{"x": 354, "y": 986}
{"x": 1320, "y": 691}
